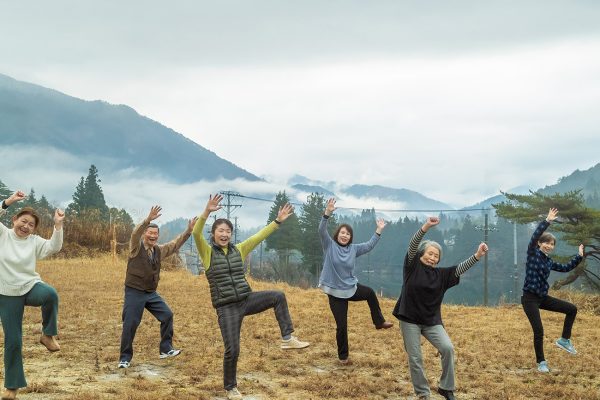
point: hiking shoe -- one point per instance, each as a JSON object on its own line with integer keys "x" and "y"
{"x": 9, "y": 394}
{"x": 566, "y": 345}
{"x": 543, "y": 367}
{"x": 124, "y": 364}
{"x": 234, "y": 394}
{"x": 170, "y": 353}
{"x": 50, "y": 343}
{"x": 448, "y": 394}
{"x": 293, "y": 343}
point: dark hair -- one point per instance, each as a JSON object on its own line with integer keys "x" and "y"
{"x": 28, "y": 211}
{"x": 153, "y": 225}
{"x": 219, "y": 222}
{"x": 337, "y": 232}
{"x": 547, "y": 238}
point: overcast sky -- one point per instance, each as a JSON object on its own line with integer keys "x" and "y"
{"x": 454, "y": 99}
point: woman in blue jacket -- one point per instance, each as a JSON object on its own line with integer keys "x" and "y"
{"x": 338, "y": 281}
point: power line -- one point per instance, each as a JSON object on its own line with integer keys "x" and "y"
{"x": 366, "y": 208}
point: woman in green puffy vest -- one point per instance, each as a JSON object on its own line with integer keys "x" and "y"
{"x": 230, "y": 292}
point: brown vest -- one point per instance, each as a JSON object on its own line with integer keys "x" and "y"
{"x": 142, "y": 273}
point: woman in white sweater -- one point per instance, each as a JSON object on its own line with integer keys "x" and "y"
{"x": 21, "y": 285}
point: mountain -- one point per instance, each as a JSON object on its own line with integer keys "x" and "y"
{"x": 588, "y": 180}
{"x": 313, "y": 189}
{"x": 409, "y": 198}
{"x": 113, "y": 137}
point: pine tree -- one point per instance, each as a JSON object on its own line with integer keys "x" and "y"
{"x": 5, "y": 193}
{"x": 88, "y": 199}
{"x": 287, "y": 236}
{"x": 310, "y": 244}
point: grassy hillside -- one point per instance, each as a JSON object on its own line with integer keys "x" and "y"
{"x": 494, "y": 354}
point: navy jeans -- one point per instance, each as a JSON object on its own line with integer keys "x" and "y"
{"x": 133, "y": 308}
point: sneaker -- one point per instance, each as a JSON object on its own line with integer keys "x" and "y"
{"x": 124, "y": 364}
{"x": 293, "y": 343}
{"x": 234, "y": 394}
{"x": 170, "y": 353}
{"x": 543, "y": 367}
{"x": 448, "y": 394}
{"x": 566, "y": 345}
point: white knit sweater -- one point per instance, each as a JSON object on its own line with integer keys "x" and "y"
{"x": 18, "y": 257}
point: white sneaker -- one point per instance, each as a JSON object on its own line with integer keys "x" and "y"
{"x": 170, "y": 353}
{"x": 124, "y": 364}
{"x": 543, "y": 367}
{"x": 234, "y": 394}
{"x": 293, "y": 343}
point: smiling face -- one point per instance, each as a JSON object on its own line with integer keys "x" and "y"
{"x": 431, "y": 256}
{"x": 24, "y": 225}
{"x": 344, "y": 236}
{"x": 151, "y": 236}
{"x": 546, "y": 247}
{"x": 221, "y": 233}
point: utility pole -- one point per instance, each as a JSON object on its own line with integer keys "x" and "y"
{"x": 228, "y": 206}
{"x": 516, "y": 273}
{"x": 485, "y": 230}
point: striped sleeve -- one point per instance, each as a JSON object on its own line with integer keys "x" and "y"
{"x": 465, "y": 265}
{"x": 413, "y": 246}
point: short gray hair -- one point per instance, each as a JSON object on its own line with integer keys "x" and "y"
{"x": 425, "y": 244}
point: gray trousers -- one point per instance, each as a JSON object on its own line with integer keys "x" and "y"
{"x": 437, "y": 336}
{"x": 230, "y": 317}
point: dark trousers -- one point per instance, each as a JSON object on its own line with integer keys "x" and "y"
{"x": 11, "y": 314}
{"x": 230, "y": 318}
{"x": 339, "y": 308}
{"x": 133, "y": 308}
{"x": 532, "y": 304}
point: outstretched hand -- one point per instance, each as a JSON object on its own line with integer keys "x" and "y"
{"x": 59, "y": 217}
{"x": 330, "y": 207}
{"x": 481, "y": 250}
{"x": 191, "y": 224}
{"x": 552, "y": 214}
{"x": 380, "y": 225}
{"x": 213, "y": 203}
{"x": 154, "y": 213}
{"x": 16, "y": 196}
{"x": 581, "y": 248}
{"x": 431, "y": 221}
{"x": 284, "y": 212}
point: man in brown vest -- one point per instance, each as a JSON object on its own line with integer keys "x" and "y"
{"x": 141, "y": 281}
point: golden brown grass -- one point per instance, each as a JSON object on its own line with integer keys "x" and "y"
{"x": 494, "y": 354}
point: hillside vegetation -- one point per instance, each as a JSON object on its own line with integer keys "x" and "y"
{"x": 494, "y": 354}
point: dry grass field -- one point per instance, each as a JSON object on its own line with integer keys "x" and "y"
{"x": 494, "y": 354}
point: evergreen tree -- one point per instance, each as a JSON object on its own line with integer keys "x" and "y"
{"x": 310, "y": 244}
{"x": 577, "y": 224}
{"x": 287, "y": 236}
{"x": 88, "y": 199}
{"x": 5, "y": 193}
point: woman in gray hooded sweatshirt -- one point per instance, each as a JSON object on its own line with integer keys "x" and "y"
{"x": 338, "y": 281}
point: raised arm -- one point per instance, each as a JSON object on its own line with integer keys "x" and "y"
{"x": 363, "y": 248}
{"x": 571, "y": 264}
{"x": 213, "y": 204}
{"x": 469, "y": 262}
{"x": 46, "y": 248}
{"x": 249, "y": 244}
{"x": 413, "y": 245}
{"x": 326, "y": 240}
{"x": 542, "y": 226}
{"x": 16, "y": 196}
{"x": 174, "y": 245}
